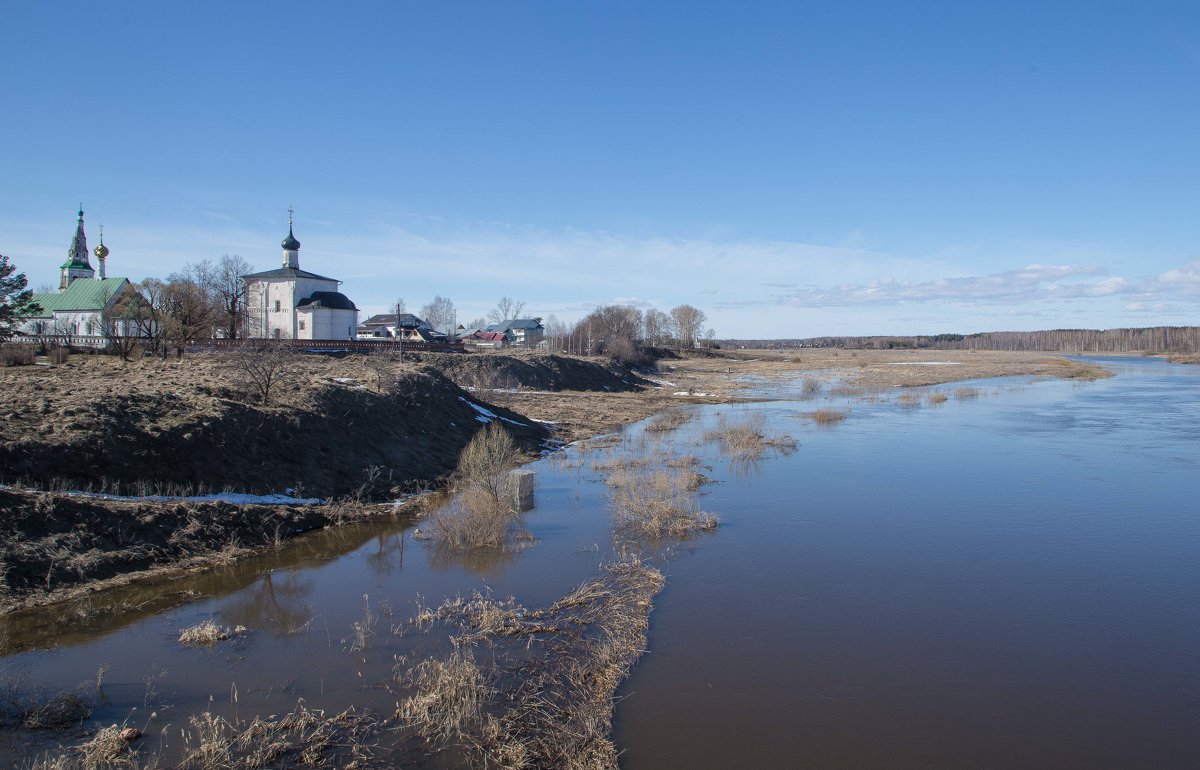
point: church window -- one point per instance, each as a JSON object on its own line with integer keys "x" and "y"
{"x": 277, "y": 334}
{"x": 301, "y": 324}
{"x": 276, "y": 306}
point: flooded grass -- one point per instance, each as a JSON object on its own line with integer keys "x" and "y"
{"x": 550, "y": 706}
{"x": 910, "y": 400}
{"x": 658, "y": 504}
{"x": 828, "y": 416}
{"x": 964, "y": 393}
{"x": 669, "y": 421}
{"x": 745, "y": 440}
{"x": 935, "y": 399}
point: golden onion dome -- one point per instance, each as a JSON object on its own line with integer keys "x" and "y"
{"x": 100, "y": 251}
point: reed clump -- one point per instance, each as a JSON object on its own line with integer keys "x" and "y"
{"x": 909, "y": 400}
{"x": 937, "y": 398}
{"x": 963, "y": 393}
{"x": 811, "y": 387}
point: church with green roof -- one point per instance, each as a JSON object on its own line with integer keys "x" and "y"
{"x": 76, "y": 310}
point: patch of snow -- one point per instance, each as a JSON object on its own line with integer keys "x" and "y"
{"x": 487, "y": 415}
{"x": 662, "y": 382}
{"x": 546, "y": 422}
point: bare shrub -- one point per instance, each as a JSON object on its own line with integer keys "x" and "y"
{"x": 812, "y": 387}
{"x": 657, "y": 504}
{"x": 58, "y": 354}
{"x": 16, "y": 355}
{"x": 668, "y": 421}
{"x": 481, "y": 514}
{"x": 261, "y": 367}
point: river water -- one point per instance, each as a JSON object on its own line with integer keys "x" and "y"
{"x": 1006, "y": 580}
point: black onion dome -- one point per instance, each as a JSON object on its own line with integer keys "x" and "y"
{"x": 290, "y": 243}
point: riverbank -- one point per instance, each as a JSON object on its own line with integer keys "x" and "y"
{"x": 354, "y": 430}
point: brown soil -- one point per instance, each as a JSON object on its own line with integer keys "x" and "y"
{"x": 192, "y": 425}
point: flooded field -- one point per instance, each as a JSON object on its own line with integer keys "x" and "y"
{"x": 999, "y": 573}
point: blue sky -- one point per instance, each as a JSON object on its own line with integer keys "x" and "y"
{"x": 794, "y": 169}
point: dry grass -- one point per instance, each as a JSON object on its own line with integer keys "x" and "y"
{"x": 812, "y": 387}
{"x": 551, "y": 705}
{"x": 1068, "y": 369}
{"x": 208, "y": 633}
{"x": 961, "y": 393}
{"x": 669, "y": 420}
{"x": 909, "y": 400}
{"x": 828, "y": 416}
{"x": 658, "y": 504}
{"x": 745, "y": 440}
{"x": 937, "y": 398}
{"x": 1190, "y": 358}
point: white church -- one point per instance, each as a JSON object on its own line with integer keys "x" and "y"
{"x": 293, "y": 304}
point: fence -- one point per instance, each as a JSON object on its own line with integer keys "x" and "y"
{"x": 362, "y": 346}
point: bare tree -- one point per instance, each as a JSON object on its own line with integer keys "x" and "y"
{"x": 261, "y": 367}
{"x": 227, "y": 291}
{"x": 556, "y": 333}
{"x": 126, "y": 323}
{"x": 186, "y": 312}
{"x": 689, "y": 324}
{"x": 506, "y": 309}
{"x": 658, "y": 327}
{"x": 439, "y": 314}
{"x": 399, "y": 308}
{"x": 478, "y": 323}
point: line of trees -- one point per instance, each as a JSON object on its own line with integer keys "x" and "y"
{"x": 623, "y": 332}
{"x": 1161, "y": 339}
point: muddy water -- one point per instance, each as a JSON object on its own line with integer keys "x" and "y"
{"x": 1003, "y": 581}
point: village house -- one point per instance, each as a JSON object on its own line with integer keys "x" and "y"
{"x": 405, "y": 327}
{"x": 293, "y": 304}
{"x": 522, "y": 332}
{"x": 78, "y": 312}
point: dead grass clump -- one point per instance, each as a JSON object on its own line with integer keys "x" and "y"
{"x": 107, "y": 749}
{"x": 657, "y": 504}
{"x": 550, "y": 704}
{"x": 304, "y": 738}
{"x": 961, "y": 393}
{"x": 448, "y": 695}
{"x": 41, "y": 710}
{"x": 937, "y": 398}
{"x": 828, "y": 416}
{"x": 57, "y": 354}
{"x": 847, "y": 391}
{"x": 683, "y": 462}
{"x": 208, "y": 633}
{"x": 909, "y": 400}
{"x": 619, "y": 464}
{"x": 746, "y": 441}
{"x": 811, "y": 387}
{"x": 670, "y": 420}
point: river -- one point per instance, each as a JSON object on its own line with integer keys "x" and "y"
{"x": 1009, "y": 579}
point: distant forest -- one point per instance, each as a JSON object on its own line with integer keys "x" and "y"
{"x": 1157, "y": 339}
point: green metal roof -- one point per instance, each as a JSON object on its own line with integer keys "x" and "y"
{"x": 81, "y": 294}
